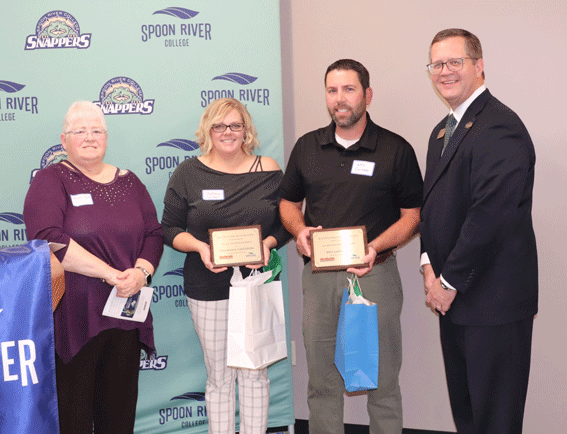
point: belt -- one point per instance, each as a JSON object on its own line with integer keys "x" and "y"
{"x": 383, "y": 256}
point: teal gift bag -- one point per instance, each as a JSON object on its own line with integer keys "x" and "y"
{"x": 356, "y": 352}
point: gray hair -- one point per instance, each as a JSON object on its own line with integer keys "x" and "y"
{"x": 81, "y": 106}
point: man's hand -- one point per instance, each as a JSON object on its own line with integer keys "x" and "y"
{"x": 428, "y": 277}
{"x": 302, "y": 241}
{"x": 368, "y": 259}
{"x": 439, "y": 298}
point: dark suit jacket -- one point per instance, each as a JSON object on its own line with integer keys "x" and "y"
{"x": 476, "y": 223}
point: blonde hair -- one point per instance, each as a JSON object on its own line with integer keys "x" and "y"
{"x": 76, "y": 109}
{"x": 214, "y": 114}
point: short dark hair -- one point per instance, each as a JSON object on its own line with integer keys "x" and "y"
{"x": 351, "y": 65}
{"x": 472, "y": 43}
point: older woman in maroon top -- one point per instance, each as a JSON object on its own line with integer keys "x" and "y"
{"x": 107, "y": 221}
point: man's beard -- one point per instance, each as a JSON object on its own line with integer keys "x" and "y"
{"x": 355, "y": 115}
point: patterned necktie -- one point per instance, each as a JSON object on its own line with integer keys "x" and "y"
{"x": 449, "y": 128}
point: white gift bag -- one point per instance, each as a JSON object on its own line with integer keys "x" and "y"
{"x": 256, "y": 321}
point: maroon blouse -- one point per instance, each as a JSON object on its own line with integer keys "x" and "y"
{"x": 116, "y": 222}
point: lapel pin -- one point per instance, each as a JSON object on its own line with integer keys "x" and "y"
{"x": 468, "y": 125}
{"x": 441, "y": 133}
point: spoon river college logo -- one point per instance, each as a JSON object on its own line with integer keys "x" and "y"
{"x": 57, "y": 29}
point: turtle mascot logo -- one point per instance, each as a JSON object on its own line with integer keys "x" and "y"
{"x": 57, "y": 29}
{"x": 122, "y": 96}
{"x": 53, "y": 155}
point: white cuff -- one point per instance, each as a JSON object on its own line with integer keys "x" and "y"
{"x": 423, "y": 261}
{"x": 447, "y": 283}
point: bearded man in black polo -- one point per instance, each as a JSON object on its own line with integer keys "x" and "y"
{"x": 352, "y": 173}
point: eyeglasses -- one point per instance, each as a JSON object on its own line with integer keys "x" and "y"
{"x": 452, "y": 65}
{"x": 221, "y": 128}
{"x": 82, "y": 134}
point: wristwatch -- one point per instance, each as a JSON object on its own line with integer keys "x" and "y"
{"x": 147, "y": 275}
{"x": 446, "y": 287}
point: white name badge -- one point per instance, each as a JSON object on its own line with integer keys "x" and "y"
{"x": 82, "y": 199}
{"x": 213, "y": 194}
{"x": 360, "y": 167}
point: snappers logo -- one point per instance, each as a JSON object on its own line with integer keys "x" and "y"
{"x": 170, "y": 162}
{"x": 186, "y": 412}
{"x": 58, "y": 29}
{"x": 53, "y": 155}
{"x": 245, "y": 95}
{"x": 123, "y": 96}
{"x": 176, "y": 35}
{"x": 23, "y": 103}
{"x": 151, "y": 362}
{"x": 10, "y": 235}
{"x": 167, "y": 292}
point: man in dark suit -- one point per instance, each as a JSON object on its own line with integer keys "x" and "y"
{"x": 479, "y": 257}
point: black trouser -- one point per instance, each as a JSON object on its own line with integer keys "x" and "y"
{"x": 100, "y": 385}
{"x": 487, "y": 371}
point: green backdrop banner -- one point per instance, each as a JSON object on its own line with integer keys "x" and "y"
{"x": 153, "y": 66}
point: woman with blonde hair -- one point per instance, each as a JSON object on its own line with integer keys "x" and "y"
{"x": 226, "y": 186}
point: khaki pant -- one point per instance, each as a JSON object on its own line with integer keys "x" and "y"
{"x": 322, "y": 294}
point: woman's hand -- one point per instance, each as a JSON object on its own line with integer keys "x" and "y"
{"x": 268, "y": 244}
{"x": 109, "y": 276}
{"x": 204, "y": 251}
{"x": 185, "y": 242}
{"x": 129, "y": 282}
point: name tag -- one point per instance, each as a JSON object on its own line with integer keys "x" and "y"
{"x": 213, "y": 194}
{"x": 82, "y": 199}
{"x": 360, "y": 167}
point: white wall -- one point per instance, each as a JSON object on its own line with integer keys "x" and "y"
{"x": 525, "y": 52}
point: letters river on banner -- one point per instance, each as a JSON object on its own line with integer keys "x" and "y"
{"x": 24, "y": 356}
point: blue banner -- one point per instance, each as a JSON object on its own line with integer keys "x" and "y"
{"x": 28, "y": 400}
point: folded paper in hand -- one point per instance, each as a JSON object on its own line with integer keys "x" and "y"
{"x": 133, "y": 308}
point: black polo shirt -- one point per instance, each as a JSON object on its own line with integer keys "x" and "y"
{"x": 366, "y": 184}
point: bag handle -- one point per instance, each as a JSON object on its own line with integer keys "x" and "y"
{"x": 354, "y": 286}
{"x": 355, "y": 293}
